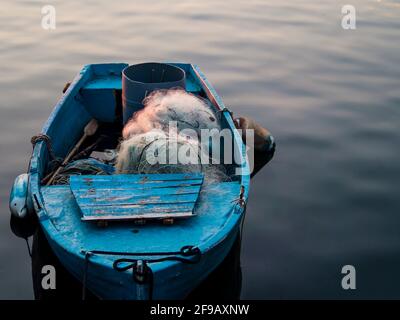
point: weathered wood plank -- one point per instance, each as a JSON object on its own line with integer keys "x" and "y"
{"x": 143, "y": 177}
{"x": 139, "y": 216}
{"x": 140, "y": 208}
{"x": 135, "y": 211}
{"x": 115, "y": 199}
{"x": 140, "y": 192}
{"x": 131, "y": 185}
{"x": 136, "y": 196}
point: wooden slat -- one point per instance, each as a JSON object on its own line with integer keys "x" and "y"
{"x": 136, "y": 196}
{"x": 133, "y": 211}
{"x": 114, "y": 216}
{"x": 145, "y": 192}
{"x": 144, "y": 177}
{"x": 128, "y": 185}
{"x": 118, "y": 200}
{"x": 136, "y": 209}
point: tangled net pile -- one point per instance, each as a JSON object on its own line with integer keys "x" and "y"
{"x": 82, "y": 167}
{"x": 149, "y": 137}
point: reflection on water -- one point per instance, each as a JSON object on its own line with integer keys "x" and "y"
{"x": 330, "y": 97}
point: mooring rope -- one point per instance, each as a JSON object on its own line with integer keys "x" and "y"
{"x": 187, "y": 254}
{"x": 28, "y": 246}
{"x": 44, "y": 137}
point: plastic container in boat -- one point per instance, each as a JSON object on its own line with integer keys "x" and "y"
{"x": 140, "y": 79}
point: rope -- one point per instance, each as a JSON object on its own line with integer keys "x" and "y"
{"x": 184, "y": 252}
{"x": 241, "y": 201}
{"x": 44, "y": 137}
{"x": 87, "y": 255}
{"x": 28, "y": 246}
{"x": 187, "y": 254}
{"x": 243, "y": 204}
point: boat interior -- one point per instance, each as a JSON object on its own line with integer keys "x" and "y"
{"x": 96, "y": 93}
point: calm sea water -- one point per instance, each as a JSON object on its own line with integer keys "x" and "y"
{"x": 331, "y": 97}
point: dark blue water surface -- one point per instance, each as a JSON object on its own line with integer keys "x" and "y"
{"x": 330, "y": 96}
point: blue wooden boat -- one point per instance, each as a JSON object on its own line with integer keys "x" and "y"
{"x": 125, "y": 260}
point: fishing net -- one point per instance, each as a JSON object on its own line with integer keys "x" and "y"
{"x": 151, "y": 145}
{"x": 82, "y": 167}
{"x": 161, "y": 107}
{"x": 150, "y": 153}
{"x": 155, "y": 152}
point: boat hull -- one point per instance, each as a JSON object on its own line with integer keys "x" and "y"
{"x": 77, "y": 243}
{"x": 171, "y": 281}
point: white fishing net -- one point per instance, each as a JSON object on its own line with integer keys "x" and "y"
{"x": 150, "y": 145}
{"x": 176, "y": 105}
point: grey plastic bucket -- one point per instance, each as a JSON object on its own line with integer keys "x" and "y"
{"x": 140, "y": 79}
